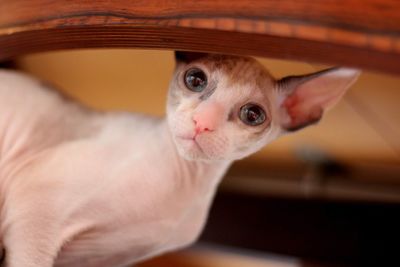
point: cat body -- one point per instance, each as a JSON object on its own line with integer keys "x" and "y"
{"x": 88, "y": 188}
{"x": 108, "y": 207}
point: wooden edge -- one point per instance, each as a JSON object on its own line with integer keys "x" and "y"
{"x": 175, "y": 38}
{"x": 283, "y": 30}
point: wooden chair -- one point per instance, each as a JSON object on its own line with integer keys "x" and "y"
{"x": 359, "y": 33}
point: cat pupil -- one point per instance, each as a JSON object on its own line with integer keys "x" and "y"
{"x": 195, "y": 80}
{"x": 252, "y": 115}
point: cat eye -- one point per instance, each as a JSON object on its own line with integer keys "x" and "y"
{"x": 195, "y": 80}
{"x": 252, "y": 114}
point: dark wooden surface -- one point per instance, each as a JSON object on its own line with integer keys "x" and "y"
{"x": 361, "y": 33}
{"x": 321, "y": 232}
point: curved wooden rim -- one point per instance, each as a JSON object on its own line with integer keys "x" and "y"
{"x": 360, "y": 33}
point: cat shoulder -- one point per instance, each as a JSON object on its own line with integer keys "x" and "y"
{"x": 129, "y": 120}
{"x": 11, "y": 80}
{"x": 18, "y": 84}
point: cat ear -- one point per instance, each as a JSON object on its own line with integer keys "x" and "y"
{"x": 187, "y": 57}
{"x": 305, "y": 98}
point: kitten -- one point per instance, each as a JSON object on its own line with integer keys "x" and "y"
{"x": 86, "y": 188}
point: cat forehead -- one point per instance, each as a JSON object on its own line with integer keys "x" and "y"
{"x": 234, "y": 70}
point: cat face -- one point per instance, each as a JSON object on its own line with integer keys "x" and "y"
{"x": 228, "y": 107}
{"x": 221, "y": 107}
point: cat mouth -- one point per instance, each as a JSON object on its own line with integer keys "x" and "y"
{"x": 193, "y": 142}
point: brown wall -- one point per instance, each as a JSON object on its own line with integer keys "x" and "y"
{"x": 363, "y": 127}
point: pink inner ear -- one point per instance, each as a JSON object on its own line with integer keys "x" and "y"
{"x": 307, "y": 103}
{"x": 300, "y": 112}
{"x": 309, "y": 99}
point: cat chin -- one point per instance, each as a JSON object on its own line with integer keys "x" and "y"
{"x": 206, "y": 159}
{"x": 195, "y": 151}
{"x": 195, "y": 156}
{"x": 192, "y": 151}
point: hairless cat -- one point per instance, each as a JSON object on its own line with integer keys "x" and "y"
{"x": 80, "y": 187}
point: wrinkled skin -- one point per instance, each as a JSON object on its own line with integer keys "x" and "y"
{"x": 80, "y": 187}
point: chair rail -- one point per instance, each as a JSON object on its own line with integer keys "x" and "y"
{"x": 358, "y": 33}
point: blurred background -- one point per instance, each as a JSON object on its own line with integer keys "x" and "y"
{"x": 326, "y": 196}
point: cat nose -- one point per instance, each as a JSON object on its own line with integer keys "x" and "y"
{"x": 200, "y": 127}
{"x": 207, "y": 118}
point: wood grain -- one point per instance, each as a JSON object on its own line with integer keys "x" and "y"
{"x": 361, "y": 33}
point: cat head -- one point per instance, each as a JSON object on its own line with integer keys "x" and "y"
{"x": 228, "y": 107}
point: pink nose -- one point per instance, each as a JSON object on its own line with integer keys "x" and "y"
{"x": 201, "y": 126}
{"x": 208, "y": 117}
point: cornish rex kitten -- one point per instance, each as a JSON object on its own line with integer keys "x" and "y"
{"x": 86, "y": 188}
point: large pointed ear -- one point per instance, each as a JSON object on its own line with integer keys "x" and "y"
{"x": 187, "y": 57}
{"x": 305, "y": 98}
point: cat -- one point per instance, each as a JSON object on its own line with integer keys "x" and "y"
{"x": 80, "y": 187}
